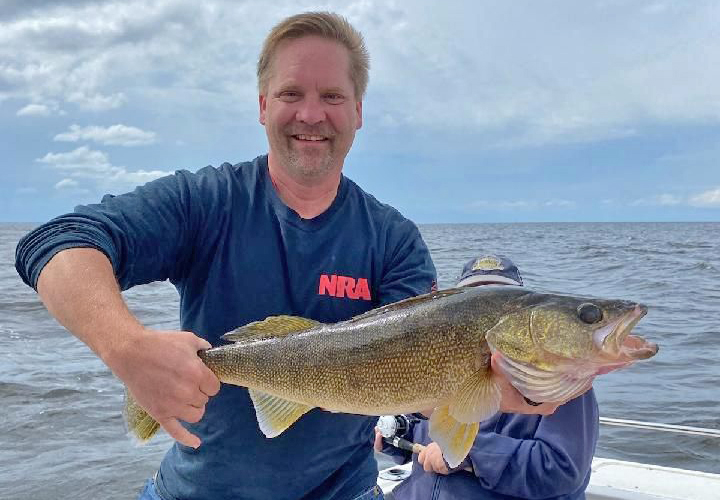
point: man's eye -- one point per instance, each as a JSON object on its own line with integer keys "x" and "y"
{"x": 289, "y": 95}
{"x": 334, "y": 98}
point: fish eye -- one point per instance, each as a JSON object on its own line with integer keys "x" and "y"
{"x": 589, "y": 313}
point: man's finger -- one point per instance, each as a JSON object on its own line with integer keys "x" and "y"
{"x": 202, "y": 344}
{"x": 209, "y": 384}
{"x": 200, "y": 400}
{"x": 191, "y": 414}
{"x": 180, "y": 433}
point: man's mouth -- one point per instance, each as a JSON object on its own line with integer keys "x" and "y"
{"x": 310, "y": 138}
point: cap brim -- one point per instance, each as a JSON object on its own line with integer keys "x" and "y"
{"x": 486, "y": 279}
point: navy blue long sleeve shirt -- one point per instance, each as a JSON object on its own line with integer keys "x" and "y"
{"x": 236, "y": 253}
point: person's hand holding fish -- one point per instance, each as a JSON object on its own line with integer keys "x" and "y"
{"x": 164, "y": 374}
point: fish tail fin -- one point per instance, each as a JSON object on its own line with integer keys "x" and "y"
{"x": 140, "y": 425}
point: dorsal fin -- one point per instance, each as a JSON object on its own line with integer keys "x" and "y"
{"x": 270, "y": 327}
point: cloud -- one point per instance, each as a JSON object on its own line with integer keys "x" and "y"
{"x": 560, "y": 203}
{"x": 669, "y": 200}
{"x": 34, "y": 110}
{"x": 97, "y": 102}
{"x": 709, "y": 199}
{"x": 663, "y": 200}
{"x": 591, "y": 77}
{"x": 507, "y": 75}
{"x": 66, "y": 184}
{"x": 40, "y": 109}
{"x": 81, "y": 161}
{"x": 115, "y": 135}
{"x": 503, "y": 204}
{"x": 509, "y": 205}
{"x": 87, "y": 165}
{"x": 94, "y": 54}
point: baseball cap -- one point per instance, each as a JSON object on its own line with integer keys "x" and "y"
{"x": 490, "y": 269}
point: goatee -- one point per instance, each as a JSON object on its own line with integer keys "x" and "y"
{"x": 310, "y": 167}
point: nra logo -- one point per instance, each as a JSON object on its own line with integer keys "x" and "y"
{"x": 344, "y": 286}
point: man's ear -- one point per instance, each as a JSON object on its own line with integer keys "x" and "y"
{"x": 262, "y": 100}
{"x": 358, "y": 110}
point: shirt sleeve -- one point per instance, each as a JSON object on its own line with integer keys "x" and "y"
{"x": 555, "y": 461}
{"x": 147, "y": 234}
{"x": 408, "y": 269}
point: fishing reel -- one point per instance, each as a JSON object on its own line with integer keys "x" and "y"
{"x": 393, "y": 429}
{"x": 393, "y": 425}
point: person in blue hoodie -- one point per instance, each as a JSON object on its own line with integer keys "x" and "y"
{"x": 542, "y": 456}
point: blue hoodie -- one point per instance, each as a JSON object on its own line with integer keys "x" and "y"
{"x": 514, "y": 457}
{"x": 236, "y": 253}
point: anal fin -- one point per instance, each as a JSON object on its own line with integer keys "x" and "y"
{"x": 275, "y": 414}
{"x": 454, "y": 438}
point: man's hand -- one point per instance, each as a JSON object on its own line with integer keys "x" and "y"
{"x": 164, "y": 374}
{"x": 432, "y": 460}
{"x": 511, "y": 399}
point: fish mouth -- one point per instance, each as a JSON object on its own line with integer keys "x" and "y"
{"x": 615, "y": 342}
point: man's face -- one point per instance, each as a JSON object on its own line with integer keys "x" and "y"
{"x": 309, "y": 107}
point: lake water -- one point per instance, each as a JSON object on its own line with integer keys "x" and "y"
{"x": 62, "y": 436}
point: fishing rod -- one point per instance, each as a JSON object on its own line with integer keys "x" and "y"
{"x": 678, "y": 429}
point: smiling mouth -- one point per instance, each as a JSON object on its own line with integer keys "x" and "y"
{"x": 309, "y": 138}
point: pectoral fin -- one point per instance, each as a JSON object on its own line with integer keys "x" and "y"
{"x": 477, "y": 399}
{"x": 272, "y": 326}
{"x": 454, "y": 438}
{"x": 275, "y": 414}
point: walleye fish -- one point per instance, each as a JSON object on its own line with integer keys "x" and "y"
{"x": 430, "y": 351}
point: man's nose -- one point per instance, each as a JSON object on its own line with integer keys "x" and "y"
{"x": 311, "y": 111}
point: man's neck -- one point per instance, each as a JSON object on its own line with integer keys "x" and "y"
{"x": 309, "y": 199}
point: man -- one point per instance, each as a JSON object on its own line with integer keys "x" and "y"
{"x": 285, "y": 233}
{"x": 547, "y": 455}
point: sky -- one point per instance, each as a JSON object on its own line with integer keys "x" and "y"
{"x": 476, "y": 111}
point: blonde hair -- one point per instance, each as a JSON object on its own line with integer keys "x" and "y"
{"x": 324, "y": 24}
